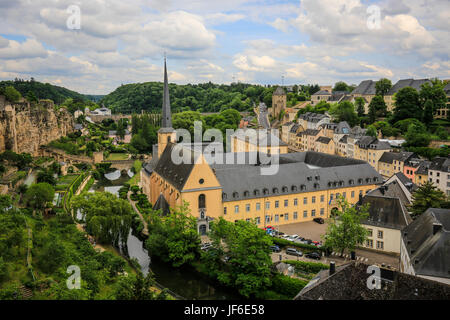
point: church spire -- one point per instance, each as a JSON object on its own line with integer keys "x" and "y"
{"x": 166, "y": 114}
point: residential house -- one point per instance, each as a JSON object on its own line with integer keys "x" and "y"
{"x": 425, "y": 246}
{"x": 370, "y": 149}
{"x": 393, "y": 162}
{"x": 311, "y": 120}
{"x": 257, "y": 140}
{"x": 325, "y": 145}
{"x": 285, "y": 130}
{"x": 342, "y": 146}
{"x": 342, "y": 129}
{"x": 421, "y": 173}
{"x": 113, "y": 135}
{"x": 322, "y": 95}
{"x": 410, "y": 168}
{"x": 308, "y": 139}
{"x": 439, "y": 174}
{"x": 296, "y": 128}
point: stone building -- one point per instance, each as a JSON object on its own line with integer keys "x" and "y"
{"x": 279, "y": 101}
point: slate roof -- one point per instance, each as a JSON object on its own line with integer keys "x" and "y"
{"x": 162, "y": 204}
{"x": 344, "y": 139}
{"x": 297, "y": 172}
{"x": 423, "y": 167}
{"x": 349, "y": 282}
{"x": 429, "y": 251}
{"x": 338, "y": 95}
{"x": 367, "y": 142}
{"x": 342, "y": 128}
{"x": 324, "y": 140}
{"x": 440, "y": 164}
{"x": 322, "y": 92}
{"x": 312, "y": 117}
{"x": 386, "y": 212}
{"x": 392, "y": 190}
{"x": 366, "y": 87}
{"x": 416, "y": 84}
{"x": 389, "y": 157}
{"x": 294, "y": 128}
{"x": 310, "y": 132}
{"x": 279, "y": 92}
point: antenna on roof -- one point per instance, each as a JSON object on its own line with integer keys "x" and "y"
{"x": 282, "y": 81}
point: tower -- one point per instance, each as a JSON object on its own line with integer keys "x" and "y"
{"x": 279, "y": 101}
{"x": 166, "y": 133}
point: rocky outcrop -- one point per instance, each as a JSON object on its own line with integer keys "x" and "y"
{"x": 24, "y": 127}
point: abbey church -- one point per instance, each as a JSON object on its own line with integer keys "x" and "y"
{"x": 305, "y": 186}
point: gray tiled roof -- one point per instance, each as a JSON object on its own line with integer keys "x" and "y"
{"x": 298, "y": 172}
{"x": 440, "y": 164}
{"x": 416, "y": 84}
{"x": 427, "y": 240}
{"x": 389, "y": 157}
{"x": 386, "y": 212}
{"x": 279, "y": 92}
{"x": 324, "y": 140}
{"x": 365, "y": 87}
{"x": 349, "y": 282}
{"x": 322, "y": 92}
{"x": 310, "y": 132}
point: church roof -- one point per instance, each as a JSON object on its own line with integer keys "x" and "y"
{"x": 162, "y": 204}
{"x": 279, "y": 92}
{"x": 166, "y": 121}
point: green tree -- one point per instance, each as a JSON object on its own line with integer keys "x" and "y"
{"x": 427, "y": 196}
{"x": 345, "y": 111}
{"x": 382, "y": 87}
{"x": 12, "y": 95}
{"x": 340, "y": 86}
{"x": 417, "y": 136}
{"x": 51, "y": 256}
{"x": 38, "y": 195}
{"x": 434, "y": 92}
{"x": 46, "y": 175}
{"x": 377, "y": 108}
{"x": 107, "y": 217}
{"x": 359, "y": 102}
{"x": 428, "y": 112}
{"x": 345, "y": 230}
{"x": 31, "y": 97}
{"x": 248, "y": 261}
{"x": 372, "y": 131}
{"x": 174, "y": 238}
{"x": 407, "y": 105}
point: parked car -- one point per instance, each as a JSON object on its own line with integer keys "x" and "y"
{"x": 313, "y": 255}
{"x": 294, "y": 252}
{"x": 308, "y": 241}
{"x": 275, "y": 248}
{"x": 319, "y": 220}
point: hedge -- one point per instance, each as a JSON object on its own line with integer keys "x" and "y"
{"x": 286, "y": 285}
{"x": 286, "y": 243}
{"x": 307, "y": 267}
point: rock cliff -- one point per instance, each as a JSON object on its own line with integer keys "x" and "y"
{"x": 24, "y": 127}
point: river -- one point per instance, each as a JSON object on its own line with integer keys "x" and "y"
{"x": 185, "y": 282}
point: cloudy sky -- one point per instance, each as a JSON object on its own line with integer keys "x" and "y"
{"x": 256, "y": 41}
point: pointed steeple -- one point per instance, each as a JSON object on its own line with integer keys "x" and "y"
{"x": 166, "y": 114}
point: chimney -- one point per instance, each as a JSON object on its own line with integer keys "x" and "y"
{"x": 436, "y": 228}
{"x": 332, "y": 267}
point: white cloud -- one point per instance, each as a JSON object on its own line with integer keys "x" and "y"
{"x": 16, "y": 50}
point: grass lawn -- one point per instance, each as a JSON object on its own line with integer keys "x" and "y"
{"x": 67, "y": 180}
{"x": 137, "y": 177}
{"x": 118, "y": 156}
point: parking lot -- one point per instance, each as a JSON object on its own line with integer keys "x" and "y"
{"x": 308, "y": 230}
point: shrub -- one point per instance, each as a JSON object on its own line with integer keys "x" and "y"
{"x": 287, "y": 286}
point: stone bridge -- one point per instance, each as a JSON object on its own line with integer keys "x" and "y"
{"x": 120, "y": 164}
{"x": 60, "y": 155}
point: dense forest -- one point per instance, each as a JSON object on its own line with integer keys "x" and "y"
{"x": 206, "y": 97}
{"x": 44, "y": 90}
